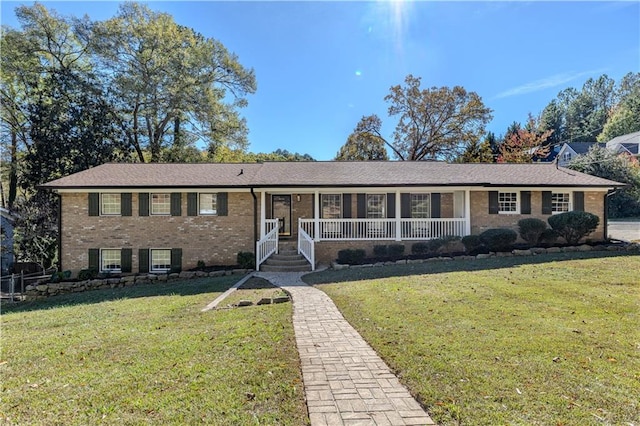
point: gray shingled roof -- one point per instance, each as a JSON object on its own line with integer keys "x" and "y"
{"x": 584, "y": 147}
{"x": 628, "y": 138}
{"x": 324, "y": 174}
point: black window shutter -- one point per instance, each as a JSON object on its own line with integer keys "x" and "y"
{"x": 176, "y": 204}
{"x": 176, "y": 259}
{"x": 546, "y": 202}
{"x": 346, "y": 206}
{"x": 525, "y": 202}
{"x": 94, "y": 259}
{"x": 125, "y": 259}
{"x": 435, "y": 205}
{"x": 192, "y": 204}
{"x": 362, "y": 206}
{"x": 125, "y": 204}
{"x": 494, "y": 206}
{"x": 578, "y": 201}
{"x": 222, "y": 199}
{"x": 143, "y": 204}
{"x": 94, "y": 204}
{"x": 143, "y": 261}
{"x": 405, "y": 205}
{"x": 391, "y": 205}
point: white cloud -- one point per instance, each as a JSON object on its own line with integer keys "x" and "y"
{"x": 545, "y": 83}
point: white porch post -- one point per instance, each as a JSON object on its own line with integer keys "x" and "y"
{"x": 316, "y": 216}
{"x": 263, "y": 213}
{"x": 398, "y": 218}
{"x": 467, "y": 212}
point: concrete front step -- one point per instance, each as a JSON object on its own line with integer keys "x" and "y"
{"x": 277, "y": 268}
{"x": 278, "y": 261}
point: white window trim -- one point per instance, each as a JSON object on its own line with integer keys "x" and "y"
{"x": 517, "y": 210}
{"x": 199, "y": 205}
{"x": 102, "y": 213}
{"x": 411, "y": 206}
{"x": 151, "y": 268}
{"x": 570, "y": 203}
{"x": 383, "y": 204}
{"x": 115, "y": 270}
{"x": 341, "y": 205}
{"x": 151, "y": 212}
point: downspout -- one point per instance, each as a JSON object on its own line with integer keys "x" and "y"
{"x": 610, "y": 192}
{"x": 59, "y": 232}
{"x": 255, "y": 216}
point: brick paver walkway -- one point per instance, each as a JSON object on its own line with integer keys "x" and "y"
{"x": 345, "y": 381}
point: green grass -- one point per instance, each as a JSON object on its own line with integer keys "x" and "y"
{"x": 147, "y": 355}
{"x": 548, "y": 340}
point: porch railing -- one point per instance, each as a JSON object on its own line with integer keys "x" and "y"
{"x": 268, "y": 244}
{"x": 306, "y": 247}
{"x": 382, "y": 229}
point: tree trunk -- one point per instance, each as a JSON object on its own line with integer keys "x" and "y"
{"x": 13, "y": 171}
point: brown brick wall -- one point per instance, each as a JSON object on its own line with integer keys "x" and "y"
{"x": 216, "y": 240}
{"x": 481, "y": 220}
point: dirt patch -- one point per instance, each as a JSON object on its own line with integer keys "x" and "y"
{"x": 254, "y": 290}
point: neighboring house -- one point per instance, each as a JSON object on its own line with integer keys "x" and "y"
{"x": 569, "y": 151}
{"x": 626, "y": 144}
{"x": 159, "y": 217}
{"x": 7, "y": 258}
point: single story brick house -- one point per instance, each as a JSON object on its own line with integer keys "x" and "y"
{"x": 158, "y": 217}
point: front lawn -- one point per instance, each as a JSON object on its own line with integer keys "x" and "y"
{"x": 147, "y": 355}
{"x": 548, "y": 340}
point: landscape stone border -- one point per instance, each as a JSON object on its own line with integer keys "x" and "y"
{"x": 630, "y": 247}
{"x": 46, "y": 289}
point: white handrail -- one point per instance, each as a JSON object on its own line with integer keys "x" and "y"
{"x": 383, "y": 229}
{"x": 268, "y": 244}
{"x": 306, "y": 247}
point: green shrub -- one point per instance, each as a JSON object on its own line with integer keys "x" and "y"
{"x": 396, "y": 250}
{"x": 201, "y": 264}
{"x": 530, "y": 229}
{"x": 420, "y": 248}
{"x": 380, "y": 250}
{"x": 548, "y": 236}
{"x": 498, "y": 239}
{"x": 351, "y": 256}
{"x": 88, "y": 274}
{"x": 572, "y": 226}
{"x": 471, "y": 243}
{"x": 246, "y": 259}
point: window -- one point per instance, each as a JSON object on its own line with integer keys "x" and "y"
{"x": 560, "y": 202}
{"x": 160, "y": 260}
{"x": 208, "y": 204}
{"x": 420, "y": 206}
{"x": 375, "y": 206}
{"x": 508, "y": 202}
{"x": 331, "y": 206}
{"x": 110, "y": 204}
{"x": 160, "y": 203}
{"x": 110, "y": 260}
{"x": 567, "y": 156}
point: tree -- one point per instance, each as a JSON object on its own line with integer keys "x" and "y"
{"x": 523, "y": 145}
{"x": 625, "y": 116}
{"x": 160, "y": 71}
{"x": 362, "y": 146}
{"x": 478, "y": 152}
{"x": 433, "y": 124}
{"x": 601, "y": 162}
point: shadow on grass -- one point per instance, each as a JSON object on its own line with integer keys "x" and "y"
{"x": 181, "y": 288}
{"x": 439, "y": 267}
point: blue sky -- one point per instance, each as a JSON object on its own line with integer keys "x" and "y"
{"x": 321, "y": 66}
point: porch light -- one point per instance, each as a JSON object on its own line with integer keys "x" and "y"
{"x": 298, "y": 197}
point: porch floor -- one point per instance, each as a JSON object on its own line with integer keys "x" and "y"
{"x": 345, "y": 381}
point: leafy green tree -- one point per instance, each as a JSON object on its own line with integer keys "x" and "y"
{"x": 362, "y": 146}
{"x": 435, "y": 123}
{"x": 625, "y": 202}
{"x": 160, "y": 71}
{"x": 478, "y": 152}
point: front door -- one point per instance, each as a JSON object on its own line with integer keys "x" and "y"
{"x": 281, "y": 210}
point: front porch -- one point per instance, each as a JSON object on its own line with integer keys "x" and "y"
{"x": 334, "y": 215}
